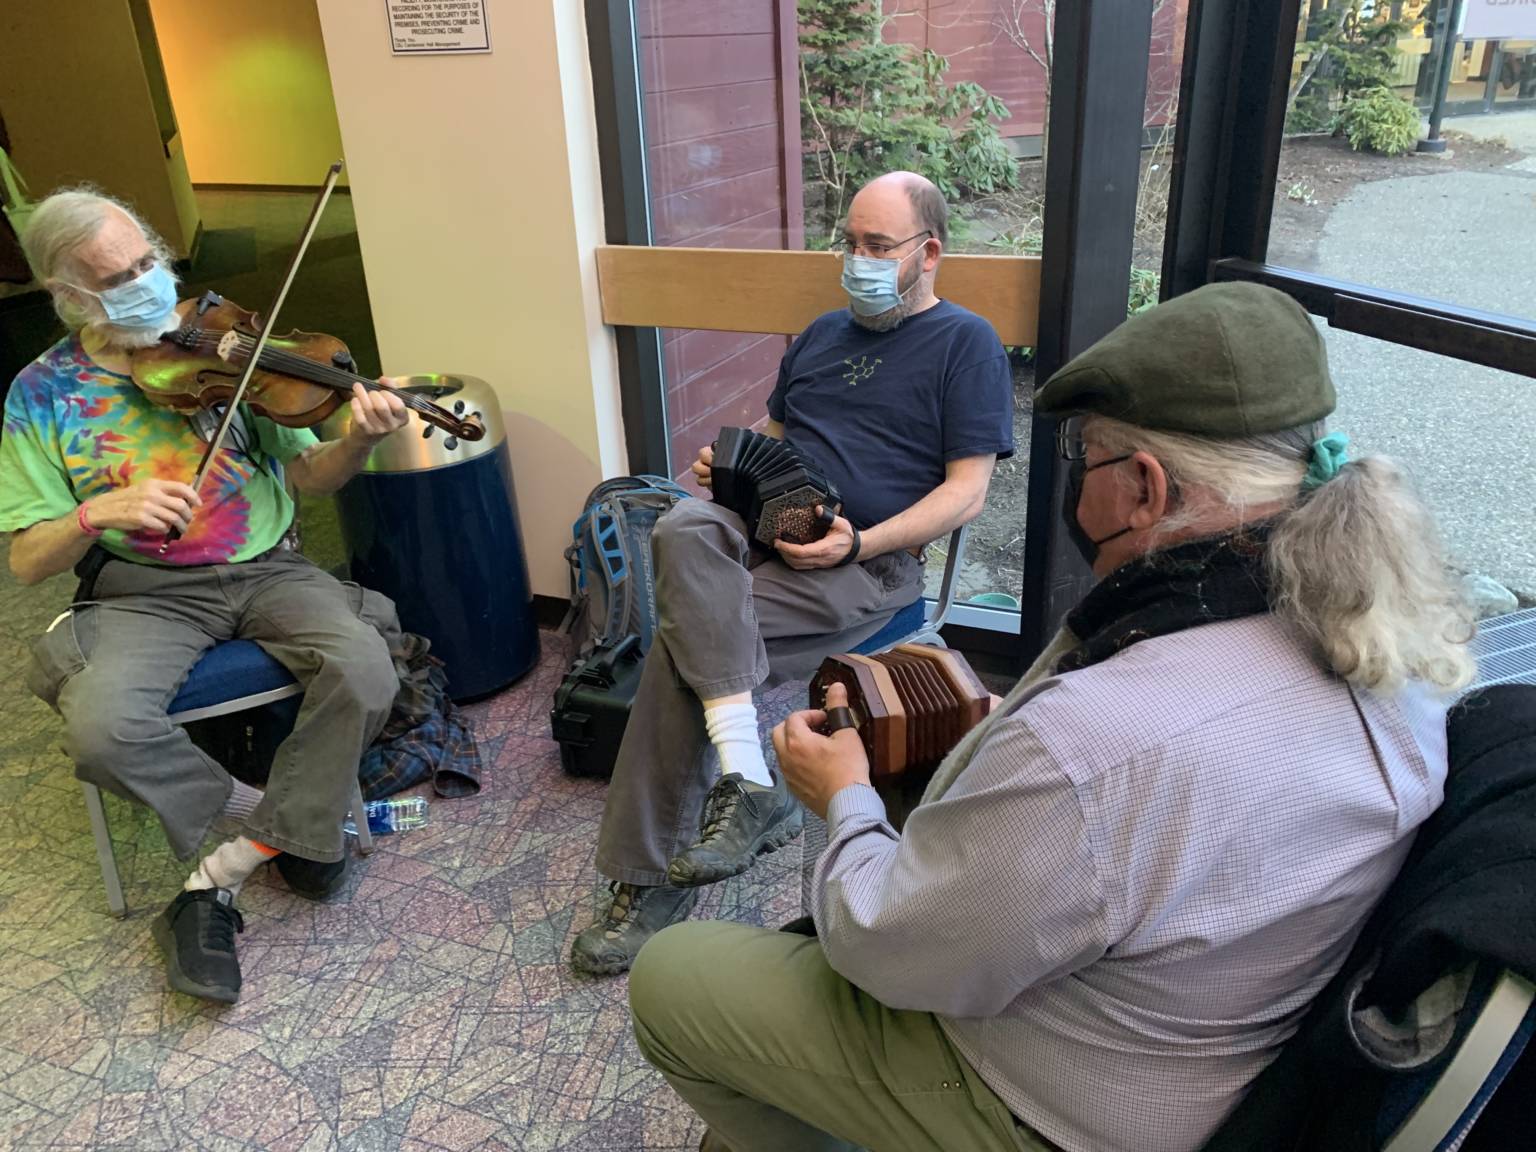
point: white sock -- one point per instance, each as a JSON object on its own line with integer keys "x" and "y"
{"x": 229, "y": 865}
{"x": 242, "y": 801}
{"x": 732, "y": 730}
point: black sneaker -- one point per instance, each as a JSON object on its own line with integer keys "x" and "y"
{"x": 197, "y": 935}
{"x": 636, "y": 913}
{"x": 742, "y": 821}
{"x": 310, "y": 878}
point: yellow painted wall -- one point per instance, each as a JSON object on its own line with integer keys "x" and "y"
{"x": 77, "y": 105}
{"x": 251, "y": 89}
{"x": 475, "y": 186}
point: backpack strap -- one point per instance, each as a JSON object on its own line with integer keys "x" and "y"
{"x": 606, "y": 527}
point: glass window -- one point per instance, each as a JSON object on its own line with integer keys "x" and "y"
{"x": 1511, "y": 72}
{"x": 719, "y": 152}
{"x": 1466, "y": 434}
{"x": 763, "y": 117}
{"x": 1363, "y": 206}
{"x": 1457, "y": 227}
{"x": 1344, "y": 49}
{"x": 1356, "y": 202}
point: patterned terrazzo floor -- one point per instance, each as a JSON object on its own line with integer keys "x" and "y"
{"x": 429, "y": 1006}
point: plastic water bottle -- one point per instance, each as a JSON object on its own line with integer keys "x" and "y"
{"x": 397, "y": 814}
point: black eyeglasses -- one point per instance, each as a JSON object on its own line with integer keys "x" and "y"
{"x": 1069, "y": 439}
{"x": 843, "y": 245}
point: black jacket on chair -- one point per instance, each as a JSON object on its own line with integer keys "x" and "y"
{"x": 1467, "y": 892}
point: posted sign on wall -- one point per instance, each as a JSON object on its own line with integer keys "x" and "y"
{"x": 1499, "y": 19}
{"x": 417, "y": 26}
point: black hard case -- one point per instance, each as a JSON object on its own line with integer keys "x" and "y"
{"x": 592, "y": 707}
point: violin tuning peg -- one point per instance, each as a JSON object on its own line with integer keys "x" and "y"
{"x": 451, "y": 443}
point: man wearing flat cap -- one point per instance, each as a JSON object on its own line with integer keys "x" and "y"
{"x": 1123, "y": 889}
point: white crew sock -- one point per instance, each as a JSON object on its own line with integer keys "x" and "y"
{"x": 242, "y": 801}
{"x": 732, "y": 730}
{"x": 229, "y": 865}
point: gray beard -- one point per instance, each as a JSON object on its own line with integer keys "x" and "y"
{"x": 892, "y": 317}
{"x": 887, "y": 320}
{"x": 120, "y": 338}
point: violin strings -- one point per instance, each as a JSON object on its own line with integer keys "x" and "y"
{"x": 316, "y": 372}
{"x": 337, "y": 378}
{"x": 302, "y": 366}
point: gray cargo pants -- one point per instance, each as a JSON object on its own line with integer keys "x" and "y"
{"x": 728, "y": 620}
{"x": 112, "y": 666}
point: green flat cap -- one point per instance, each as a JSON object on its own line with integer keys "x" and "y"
{"x": 1226, "y": 360}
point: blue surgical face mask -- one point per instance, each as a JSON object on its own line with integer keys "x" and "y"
{"x": 144, "y": 302}
{"x": 874, "y": 286}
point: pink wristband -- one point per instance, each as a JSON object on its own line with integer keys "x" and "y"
{"x": 85, "y": 525}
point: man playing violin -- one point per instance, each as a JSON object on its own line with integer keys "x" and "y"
{"x": 92, "y": 477}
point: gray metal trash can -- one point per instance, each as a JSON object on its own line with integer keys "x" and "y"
{"x": 431, "y": 522}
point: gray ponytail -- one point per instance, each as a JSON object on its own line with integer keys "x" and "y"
{"x": 1358, "y": 566}
{"x": 1355, "y": 564}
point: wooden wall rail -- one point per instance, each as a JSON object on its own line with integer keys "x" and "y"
{"x": 739, "y": 290}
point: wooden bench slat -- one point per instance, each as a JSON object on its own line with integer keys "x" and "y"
{"x": 743, "y": 290}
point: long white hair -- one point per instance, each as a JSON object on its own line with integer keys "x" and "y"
{"x": 1355, "y": 564}
{"x": 59, "y": 226}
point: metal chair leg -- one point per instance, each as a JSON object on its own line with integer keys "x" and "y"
{"x": 104, "y": 854}
{"x": 360, "y": 818}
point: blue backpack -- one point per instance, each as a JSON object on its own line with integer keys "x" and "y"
{"x": 613, "y": 582}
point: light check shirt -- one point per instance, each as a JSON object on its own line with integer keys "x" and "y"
{"x": 1127, "y": 895}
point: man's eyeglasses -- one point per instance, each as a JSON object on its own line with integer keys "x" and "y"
{"x": 1069, "y": 439}
{"x": 843, "y": 245}
{"x": 142, "y": 265}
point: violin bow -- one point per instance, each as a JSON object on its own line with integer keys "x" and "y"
{"x": 216, "y": 442}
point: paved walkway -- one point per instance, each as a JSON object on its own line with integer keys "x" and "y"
{"x": 1467, "y": 433}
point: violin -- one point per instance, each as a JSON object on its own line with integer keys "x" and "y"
{"x": 299, "y": 379}
{"x": 229, "y": 344}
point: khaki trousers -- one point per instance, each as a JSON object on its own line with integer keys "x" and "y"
{"x": 776, "y": 1051}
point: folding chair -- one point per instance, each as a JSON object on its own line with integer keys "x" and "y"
{"x": 1436, "y": 1111}
{"x": 911, "y": 625}
{"x": 234, "y": 676}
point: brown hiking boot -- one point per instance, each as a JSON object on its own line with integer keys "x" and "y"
{"x": 636, "y": 913}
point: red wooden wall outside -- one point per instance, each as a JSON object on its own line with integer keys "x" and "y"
{"x": 722, "y": 122}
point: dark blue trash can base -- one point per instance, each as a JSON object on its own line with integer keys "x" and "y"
{"x": 444, "y": 544}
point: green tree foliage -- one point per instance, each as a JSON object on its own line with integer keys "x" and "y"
{"x": 1346, "y": 52}
{"x": 1380, "y": 120}
{"x": 868, "y": 107}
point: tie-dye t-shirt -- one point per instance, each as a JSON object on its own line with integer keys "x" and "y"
{"x": 74, "y": 430}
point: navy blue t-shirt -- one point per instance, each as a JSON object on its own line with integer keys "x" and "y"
{"x": 883, "y": 412}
